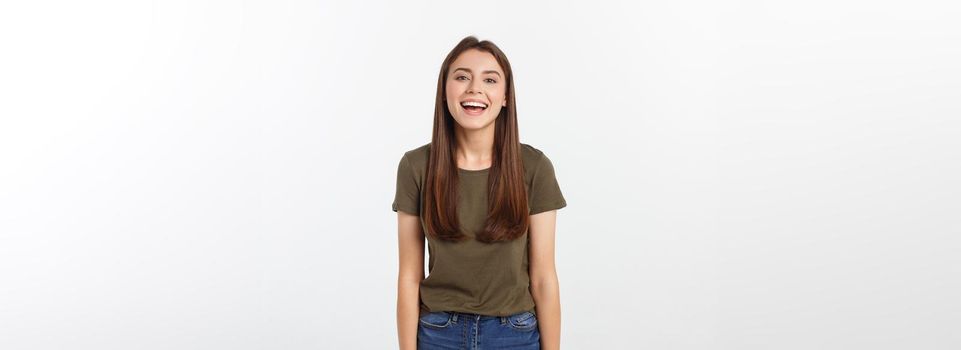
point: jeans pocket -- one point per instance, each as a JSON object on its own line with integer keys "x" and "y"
{"x": 436, "y": 319}
{"x": 524, "y": 321}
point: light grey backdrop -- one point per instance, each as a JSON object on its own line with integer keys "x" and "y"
{"x": 740, "y": 174}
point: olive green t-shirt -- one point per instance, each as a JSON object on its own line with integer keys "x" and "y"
{"x": 472, "y": 276}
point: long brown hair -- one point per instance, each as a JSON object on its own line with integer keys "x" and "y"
{"x": 507, "y": 212}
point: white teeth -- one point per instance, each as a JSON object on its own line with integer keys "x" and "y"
{"x": 473, "y": 104}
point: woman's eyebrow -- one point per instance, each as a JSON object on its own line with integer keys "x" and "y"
{"x": 484, "y": 72}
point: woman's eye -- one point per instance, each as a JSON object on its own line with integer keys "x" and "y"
{"x": 492, "y": 80}
{"x": 459, "y": 78}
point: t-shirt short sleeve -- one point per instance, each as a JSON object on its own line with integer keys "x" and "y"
{"x": 407, "y": 194}
{"x": 545, "y": 191}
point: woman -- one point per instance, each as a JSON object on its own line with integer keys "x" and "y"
{"x": 487, "y": 206}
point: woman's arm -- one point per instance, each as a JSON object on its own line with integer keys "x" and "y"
{"x": 410, "y": 241}
{"x": 544, "y": 285}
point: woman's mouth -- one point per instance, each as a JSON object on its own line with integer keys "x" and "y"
{"x": 473, "y": 108}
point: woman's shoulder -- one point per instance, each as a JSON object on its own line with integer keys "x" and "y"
{"x": 535, "y": 161}
{"x": 532, "y": 155}
{"x": 417, "y": 157}
{"x": 529, "y": 151}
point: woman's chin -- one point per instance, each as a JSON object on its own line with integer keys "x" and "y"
{"x": 473, "y": 123}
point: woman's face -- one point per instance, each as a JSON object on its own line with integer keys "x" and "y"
{"x": 476, "y": 90}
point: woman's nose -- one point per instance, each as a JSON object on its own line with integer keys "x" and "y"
{"x": 472, "y": 88}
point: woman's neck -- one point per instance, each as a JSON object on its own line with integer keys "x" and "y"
{"x": 475, "y": 148}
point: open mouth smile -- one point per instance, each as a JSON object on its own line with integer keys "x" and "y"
{"x": 473, "y": 107}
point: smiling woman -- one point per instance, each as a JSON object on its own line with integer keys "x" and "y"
{"x": 486, "y": 204}
{"x": 476, "y": 92}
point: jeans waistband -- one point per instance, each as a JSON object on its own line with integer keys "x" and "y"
{"x": 474, "y": 316}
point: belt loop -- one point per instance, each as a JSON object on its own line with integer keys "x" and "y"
{"x": 503, "y": 319}
{"x": 454, "y": 317}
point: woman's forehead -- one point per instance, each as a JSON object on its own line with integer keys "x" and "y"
{"x": 476, "y": 61}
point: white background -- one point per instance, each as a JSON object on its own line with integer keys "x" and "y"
{"x": 740, "y": 174}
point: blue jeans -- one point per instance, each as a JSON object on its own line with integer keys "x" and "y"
{"x": 450, "y": 330}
